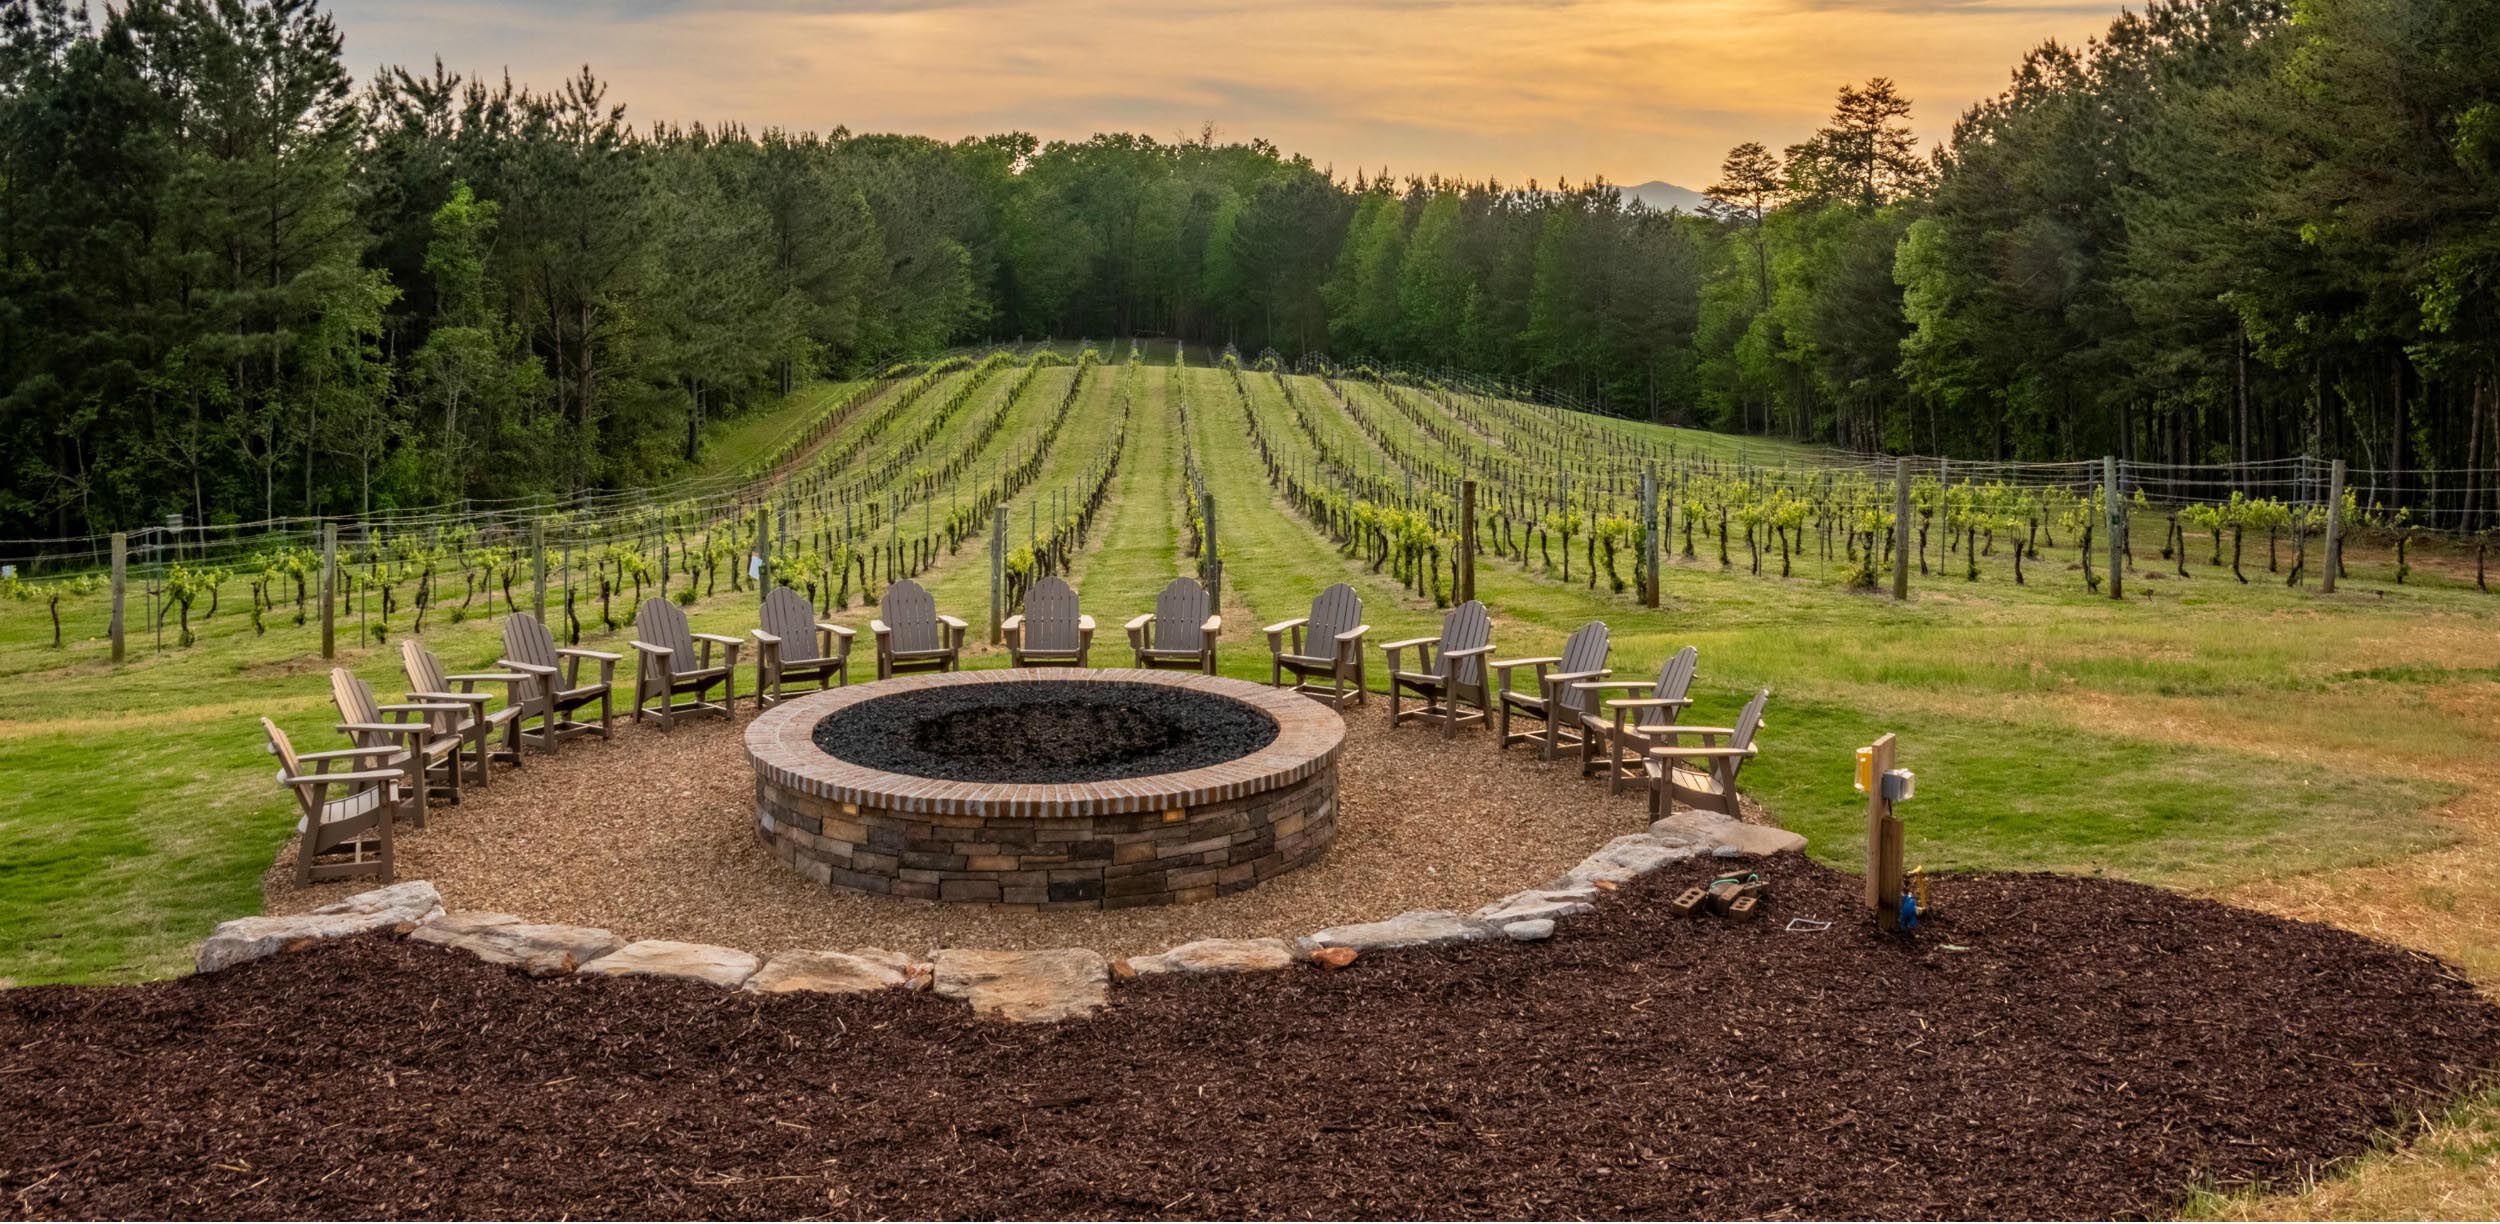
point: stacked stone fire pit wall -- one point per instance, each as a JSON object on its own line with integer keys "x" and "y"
{"x": 1156, "y": 840}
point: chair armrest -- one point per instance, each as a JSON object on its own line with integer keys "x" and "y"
{"x": 1689, "y": 730}
{"x": 845, "y": 632}
{"x": 1354, "y": 634}
{"x": 953, "y": 622}
{"x": 578, "y": 653}
{"x": 465, "y": 699}
{"x": 391, "y": 728}
{"x": 1702, "y": 753}
{"x": 880, "y": 628}
{"x": 1012, "y": 623}
{"x": 341, "y": 754}
{"x": 1138, "y": 621}
{"x": 1281, "y": 626}
{"x": 767, "y": 639}
{"x": 1643, "y": 703}
{"x": 532, "y": 670}
{"x": 488, "y": 678}
{"x": 1465, "y": 654}
{"x": 1409, "y": 643}
{"x": 1507, "y": 664}
{"x": 1557, "y": 681}
{"x": 328, "y": 779}
{"x": 1212, "y": 625}
{"x": 423, "y": 707}
{"x": 723, "y": 639}
{"x": 1597, "y": 685}
{"x": 1084, "y": 623}
{"x": 649, "y": 649}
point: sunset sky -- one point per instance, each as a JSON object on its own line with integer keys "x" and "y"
{"x": 1630, "y": 89}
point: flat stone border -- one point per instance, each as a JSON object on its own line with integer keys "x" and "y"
{"x": 1161, "y": 839}
{"x": 1030, "y": 987}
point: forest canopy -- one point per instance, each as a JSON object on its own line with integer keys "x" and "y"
{"x": 237, "y": 283}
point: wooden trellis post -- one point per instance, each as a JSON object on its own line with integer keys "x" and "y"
{"x": 1651, "y": 580}
{"x": 2334, "y": 527}
{"x": 121, "y": 584}
{"x": 1466, "y": 540}
{"x": 998, "y": 571}
{"x": 2116, "y": 507}
{"x": 1901, "y": 530}
{"x": 538, "y": 568}
{"x": 1210, "y": 559}
{"x": 329, "y": 589}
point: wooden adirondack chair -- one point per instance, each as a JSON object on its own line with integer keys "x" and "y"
{"x": 491, "y": 733}
{"x": 671, "y": 659}
{"x": 1180, "y": 633}
{"x": 1555, "y": 705}
{"x": 912, "y": 633}
{"x": 345, "y": 811}
{"x": 559, "y": 689}
{"x": 1449, "y": 670}
{"x": 1703, "y": 774}
{"x": 421, "y": 737}
{"x": 1328, "y": 642}
{"x": 794, "y": 645}
{"x": 1051, "y": 631}
{"x": 1618, "y": 739}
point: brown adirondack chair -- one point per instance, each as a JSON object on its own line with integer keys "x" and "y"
{"x": 912, "y": 634}
{"x": 1051, "y": 631}
{"x": 559, "y": 689}
{"x": 1702, "y": 774}
{"x": 793, "y": 645}
{"x": 1449, "y": 671}
{"x": 1618, "y": 739}
{"x": 1555, "y": 705}
{"x": 1328, "y": 642}
{"x": 1180, "y": 633}
{"x": 346, "y": 811}
{"x": 671, "y": 660}
{"x": 422, "y": 737}
{"x": 491, "y": 733}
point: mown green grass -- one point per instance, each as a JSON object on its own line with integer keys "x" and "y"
{"x": 2201, "y": 733}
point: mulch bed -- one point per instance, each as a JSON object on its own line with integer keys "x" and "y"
{"x": 1063, "y": 732}
{"x": 2053, "y": 1047}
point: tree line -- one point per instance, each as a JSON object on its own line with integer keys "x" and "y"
{"x": 236, "y": 283}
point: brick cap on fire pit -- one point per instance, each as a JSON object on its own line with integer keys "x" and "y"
{"x": 780, "y": 744}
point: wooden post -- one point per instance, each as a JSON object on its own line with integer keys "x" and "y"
{"x": 329, "y": 590}
{"x": 121, "y": 583}
{"x": 1210, "y": 558}
{"x": 1466, "y": 540}
{"x": 2116, "y": 507}
{"x": 998, "y": 571}
{"x": 1650, "y": 531}
{"x": 538, "y": 568}
{"x": 763, "y": 562}
{"x": 2334, "y": 526}
{"x": 1883, "y": 842}
{"x": 1901, "y": 530}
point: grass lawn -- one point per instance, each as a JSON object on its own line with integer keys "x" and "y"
{"x": 2328, "y": 757}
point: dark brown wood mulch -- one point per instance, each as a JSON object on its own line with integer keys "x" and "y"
{"x": 2083, "y": 1048}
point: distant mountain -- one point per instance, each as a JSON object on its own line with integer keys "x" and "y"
{"x": 1663, "y": 196}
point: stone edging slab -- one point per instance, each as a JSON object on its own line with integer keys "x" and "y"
{"x": 1037, "y": 986}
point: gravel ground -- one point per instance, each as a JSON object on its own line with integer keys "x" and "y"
{"x": 652, "y": 836}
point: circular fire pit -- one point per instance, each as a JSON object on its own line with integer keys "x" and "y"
{"x": 1068, "y": 788}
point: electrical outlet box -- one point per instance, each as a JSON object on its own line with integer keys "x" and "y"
{"x": 1900, "y": 784}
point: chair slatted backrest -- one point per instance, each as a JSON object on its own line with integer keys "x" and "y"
{"x": 1584, "y": 652}
{"x": 911, "y": 613}
{"x": 1050, "y": 617}
{"x": 525, "y": 640}
{"x": 1336, "y": 610}
{"x": 425, "y": 672}
{"x": 354, "y": 699}
{"x": 1674, "y": 681}
{"x": 1749, "y": 721}
{"x": 787, "y": 616}
{"x": 284, "y": 749}
{"x": 661, "y": 623}
{"x": 1467, "y": 627}
{"x": 1181, "y": 615}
